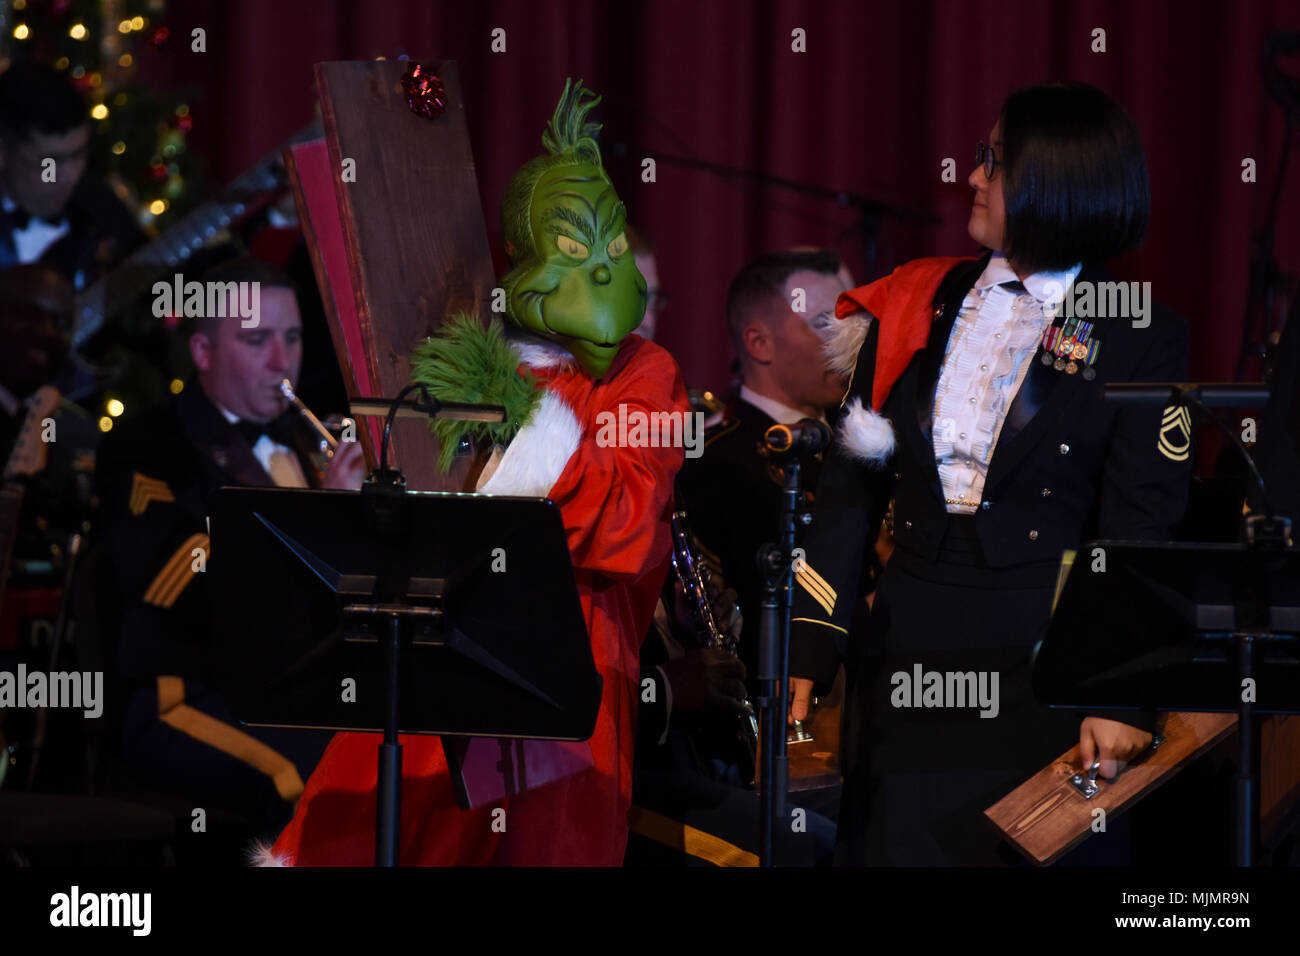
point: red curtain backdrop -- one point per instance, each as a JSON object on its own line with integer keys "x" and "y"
{"x": 885, "y": 92}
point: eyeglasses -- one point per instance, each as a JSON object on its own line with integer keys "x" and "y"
{"x": 984, "y": 156}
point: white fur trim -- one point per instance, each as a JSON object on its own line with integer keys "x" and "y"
{"x": 539, "y": 352}
{"x": 865, "y": 435}
{"x": 263, "y": 854}
{"x": 534, "y": 460}
{"x": 842, "y": 341}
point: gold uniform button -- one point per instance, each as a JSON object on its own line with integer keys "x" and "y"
{"x": 1033, "y": 536}
{"x": 1065, "y": 449}
{"x": 1046, "y": 492}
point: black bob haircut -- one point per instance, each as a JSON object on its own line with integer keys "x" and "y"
{"x": 762, "y": 281}
{"x": 36, "y": 98}
{"x": 1075, "y": 186}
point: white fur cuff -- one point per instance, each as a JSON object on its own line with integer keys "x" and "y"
{"x": 535, "y": 459}
{"x": 842, "y": 341}
{"x": 865, "y": 435}
{"x": 263, "y": 854}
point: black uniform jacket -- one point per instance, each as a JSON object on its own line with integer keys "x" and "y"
{"x": 1067, "y": 467}
{"x": 155, "y": 474}
{"x": 732, "y": 495}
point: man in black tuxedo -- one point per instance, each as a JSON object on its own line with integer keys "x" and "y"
{"x": 49, "y": 211}
{"x": 996, "y": 461}
{"x": 228, "y": 426}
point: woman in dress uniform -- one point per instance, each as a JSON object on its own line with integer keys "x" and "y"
{"x": 976, "y": 406}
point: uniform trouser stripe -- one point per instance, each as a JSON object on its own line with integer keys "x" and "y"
{"x": 687, "y": 839}
{"x": 173, "y": 711}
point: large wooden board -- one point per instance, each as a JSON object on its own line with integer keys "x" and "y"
{"x": 307, "y": 165}
{"x": 417, "y": 247}
{"x": 1279, "y": 776}
{"x": 1045, "y": 817}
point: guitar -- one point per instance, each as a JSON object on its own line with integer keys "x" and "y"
{"x": 28, "y": 458}
{"x": 135, "y": 275}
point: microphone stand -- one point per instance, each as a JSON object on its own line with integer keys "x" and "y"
{"x": 384, "y": 501}
{"x": 775, "y": 564}
{"x": 870, "y": 210}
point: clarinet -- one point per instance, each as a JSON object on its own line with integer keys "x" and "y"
{"x": 694, "y": 578}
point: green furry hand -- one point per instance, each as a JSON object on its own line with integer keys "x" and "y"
{"x": 473, "y": 363}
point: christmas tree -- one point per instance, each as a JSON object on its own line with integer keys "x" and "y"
{"x": 138, "y": 142}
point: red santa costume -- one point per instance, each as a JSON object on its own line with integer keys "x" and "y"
{"x": 615, "y": 503}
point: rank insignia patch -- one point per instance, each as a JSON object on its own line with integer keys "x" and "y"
{"x": 144, "y": 490}
{"x": 1175, "y": 441}
{"x": 816, "y": 585}
{"x": 179, "y": 570}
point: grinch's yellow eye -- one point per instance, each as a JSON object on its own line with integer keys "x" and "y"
{"x": 571, "y": 247}
{"x": 618, "y": 245}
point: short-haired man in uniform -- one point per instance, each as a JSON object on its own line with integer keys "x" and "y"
{"x": 228, "y": 426}
{"x": 776, "y": 307}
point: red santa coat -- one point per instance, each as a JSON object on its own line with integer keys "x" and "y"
{"x": 615, "y": 503}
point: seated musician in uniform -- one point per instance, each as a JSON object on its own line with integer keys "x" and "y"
{"x": 976, "y": 405}
{"x": 47, "y": 447}
{"x": 35, "y": 315}
{"x": 687, "y": 774}
{"x": 775, "y": 305}
{"x": 228, "y": 426}
{"x": 68, "y": 221}
{"x": 690, "y": 803}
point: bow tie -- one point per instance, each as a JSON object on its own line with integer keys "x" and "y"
{"x": 20, "y": 218}
{"x": 252, "y": 431}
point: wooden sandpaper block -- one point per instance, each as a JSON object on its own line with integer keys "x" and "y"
{"x": 1047, "y": 816}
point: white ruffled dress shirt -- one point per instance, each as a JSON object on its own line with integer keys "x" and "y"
{"x": 994, "y": 338}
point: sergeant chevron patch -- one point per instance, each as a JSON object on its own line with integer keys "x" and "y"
{"x": 144, "y": 490}
{"x": 1175, "y": 441}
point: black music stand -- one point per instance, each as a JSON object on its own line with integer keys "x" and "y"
{"x": 1174, "y": 626}
{"x": 451, "y": 614}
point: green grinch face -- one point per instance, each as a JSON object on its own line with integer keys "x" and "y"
{"x": 581, "y": 288}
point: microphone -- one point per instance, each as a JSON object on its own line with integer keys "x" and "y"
{"x": 805, "y": 437}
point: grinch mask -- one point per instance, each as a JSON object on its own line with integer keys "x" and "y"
{"x": 572, "y": 277}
